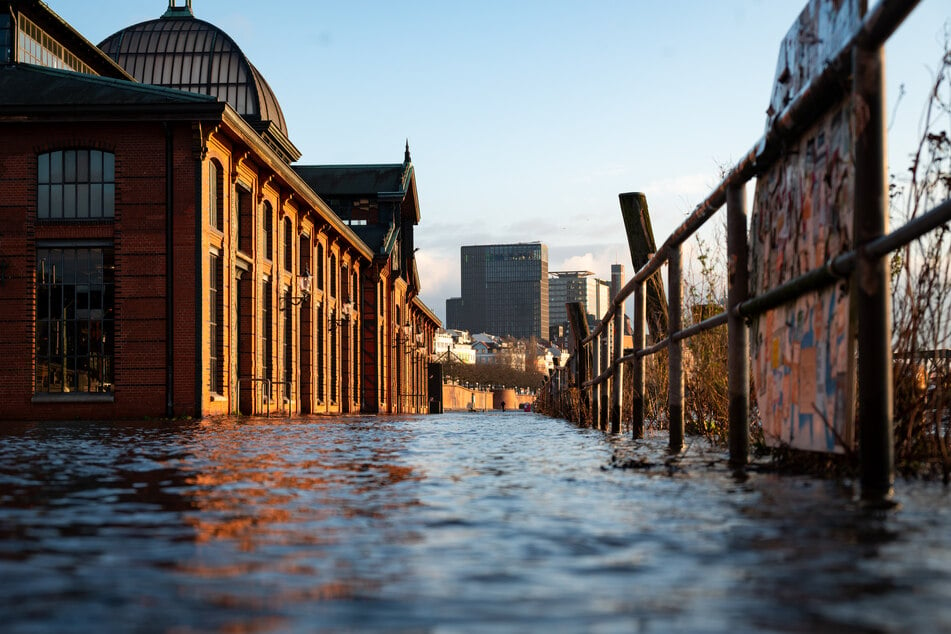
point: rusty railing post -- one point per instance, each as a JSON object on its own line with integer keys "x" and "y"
{"x": 637, "y": 367}
{"x": 605, "y": 341}
{"x": 876, "y": 446}
{"x": 738, "y": 337}
{"x": 617, "y": 394}
{"x": 675, "y": 388}
{"x": 596, "y": 389}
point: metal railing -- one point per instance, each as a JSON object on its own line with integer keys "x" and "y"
{"x": 265, "y": 395}
{"x": 858, "y": 64}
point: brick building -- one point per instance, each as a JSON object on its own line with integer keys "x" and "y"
{"x": 160, "y": 254}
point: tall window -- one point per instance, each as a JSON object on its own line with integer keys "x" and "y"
{"x": 267, "y": 331}
{"x": 245, "y": 221}
{"x": 75, "y": 328}
{"x": 216, "y": 188}
{"x": 320, "y": 266}
{"x": 304, "y": 256}
{"x": 344, "y": 285}
{"x": 268, "y": 231}
{"x": 321, "y": 361}
{"x": 288, "y": 245}
{"x": 215, "y": 323}
{"x": 288, "y": 344}
{"x": 333, "y": 275}
{"x": 6, "y": 38}
{"x": 75, "y": 185}
{"x": 334, "y": 352}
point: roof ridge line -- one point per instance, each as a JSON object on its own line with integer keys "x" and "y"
{"x": 123, "y": 83}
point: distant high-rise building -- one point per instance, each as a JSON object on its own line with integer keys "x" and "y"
{"x": 504, "y": 290}
{"x": 576, "y": 286}
{"x": 455, "y": 314}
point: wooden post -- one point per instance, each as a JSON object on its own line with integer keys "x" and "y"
{"x": 738, "y": 337}
{"x": 640, "y": 240}
{"x": 876, "y": 444}
{"x": 675, "y": 389}
{"x": 617, "y": 403}
{"x": 578, "y": 323}
{"x": 637, "y": 367}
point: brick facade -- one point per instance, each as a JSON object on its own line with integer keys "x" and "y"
{"x": 178, "y": 340}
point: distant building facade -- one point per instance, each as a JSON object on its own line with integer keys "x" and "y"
{"x": 455, "y": 313}
{"x": 576, "y": 286}
{"x": 504, "y": 290}
{"x": 453, "y": 346}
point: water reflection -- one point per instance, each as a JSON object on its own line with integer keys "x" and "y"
{"x": 454, "y": 522}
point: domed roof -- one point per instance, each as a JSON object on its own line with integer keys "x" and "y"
{"x": 181, "y": 51}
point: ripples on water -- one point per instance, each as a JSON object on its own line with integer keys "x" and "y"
{"x": 458, "y": 522}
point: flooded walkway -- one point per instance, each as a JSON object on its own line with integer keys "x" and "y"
{"x": 451, "y": 523}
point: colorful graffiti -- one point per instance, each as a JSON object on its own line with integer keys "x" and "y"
{"x": 803, "y": 352}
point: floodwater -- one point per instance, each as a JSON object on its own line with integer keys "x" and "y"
{"x": 463, "y": 522}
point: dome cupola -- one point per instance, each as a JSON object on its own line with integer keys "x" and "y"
{"x": 180, "y": 51}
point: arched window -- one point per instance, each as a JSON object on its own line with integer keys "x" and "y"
{"x": 216, "y": 188}
{"x": 333, "y": 275}
{"x": 268, "y": 231}
{"x": 75, "y": 185}
{"x": 267, "y": 330}
{"x": 288, "y": 245}
{"x": 320, "y": 266}
{"x": 288, "y": 345}
{"x": 245, "y": 219}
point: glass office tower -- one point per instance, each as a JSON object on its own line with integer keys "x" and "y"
{"x": 505, "y": 289}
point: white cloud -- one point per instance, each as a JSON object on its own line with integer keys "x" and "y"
{"x": 439, "y": 277}
{"x": 695, "y": 186}
{"x": 595, "y": 258}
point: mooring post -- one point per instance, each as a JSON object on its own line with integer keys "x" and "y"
{"x": 738, "y": 337}
{"x": 617, "y": 394}
{"x": 876, "y": 446}
{"x": 675, "y": 389}
{"x": 637, "y": 367}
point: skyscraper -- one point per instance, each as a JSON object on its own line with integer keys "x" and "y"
{"x": 505, "y": 289}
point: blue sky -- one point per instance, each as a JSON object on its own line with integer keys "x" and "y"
{"x": 526, "y": 118}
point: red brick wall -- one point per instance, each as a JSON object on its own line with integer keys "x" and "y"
{"x": 139, "y": 237}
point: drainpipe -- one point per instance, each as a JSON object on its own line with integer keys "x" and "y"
{"x": 199, "y": 264}
{"x": 169, "y": 275}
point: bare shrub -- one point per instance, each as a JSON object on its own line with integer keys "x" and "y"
{"x": 921, "y": 296}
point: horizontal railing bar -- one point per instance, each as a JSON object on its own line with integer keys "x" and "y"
{"x": 707, "y": 324}
{"x": 911, "y": 230}
{"x": 836, "y": 269}
{"x": 842, "y": 266}
{"x": 654, "y": 349}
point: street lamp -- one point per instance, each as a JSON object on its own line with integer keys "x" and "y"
{"x": 303, "y": 292}
{"x": 346, "y": 310}
{"x": 403, "y": 335}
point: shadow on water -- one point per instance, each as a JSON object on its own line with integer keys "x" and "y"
{"x": 451, "y": 522}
